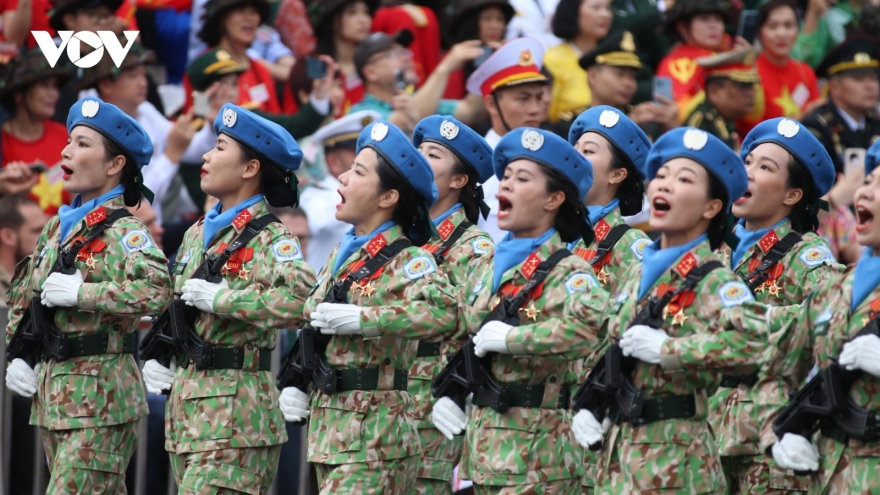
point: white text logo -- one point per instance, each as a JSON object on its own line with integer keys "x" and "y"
{"x": 98, "y": 41}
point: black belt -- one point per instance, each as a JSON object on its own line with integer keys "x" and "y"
{"x": 734, "y": 381}
{"x": 95, "y": 344}
{"x": 367, "y": 379}
{"x": 428, "y": 349}
{"x": 232, "y": 358}
{"x": 529, "y": 396}
{"x": 662, "y": 408}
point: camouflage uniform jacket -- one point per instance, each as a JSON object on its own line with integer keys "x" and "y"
{"x": 268, "y": 281}
{"x": 707, "y": 338}
{"x": 560, "y": 325}
{"x": 804, "y": 267}
{"x": 125, "y": 279}
{"x": 626, "y": 252}
{"x": 706, "y": 117}
{"x": 441, "y": 455}
{"x": 409, "y": 299}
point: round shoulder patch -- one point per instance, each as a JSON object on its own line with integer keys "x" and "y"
{"x": 579, "y": 282}
{"x": 638, "y": 247}
{"x": 482, "y": 246}
{"x": 418, "y": 267}
{"x": 734, "y": 294}
{"x": 136, "y": 240}
{"x": 816, "y": 256}
{"x": 532, "y": 140}
{"x": 286, "y": 250}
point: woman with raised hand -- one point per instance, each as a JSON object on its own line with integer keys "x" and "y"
{"x": 670, "y": 316}
{"x": 243, "y": 274}
{"x": 536, "y": 312}
{"x": 378, "y": 293}
{"x": 782, "y": 259}
{"x": 461, "y": 160}
{"x": 96, "y": 271}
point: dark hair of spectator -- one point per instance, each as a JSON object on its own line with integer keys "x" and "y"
{"x": 468, "y": 28}
{"x": 802, "y": 216}
{"x": 130, "y": 171}
{"x": 718, "y": 228}
{"x": 299, "y": 81}
{"x": 10, "y": 205}
{"x": 275, "y": 181}
{"x": 768, "y": 8}
{"x": 868, "y": 23}
{"x": 631, "y": 190}
{"x": 411, "y": 211}
{"x": 566, "y": 19}
{"x": 570, "y": 221}
{"x": 212, "y": 28}
{"x": 468, "y": 196}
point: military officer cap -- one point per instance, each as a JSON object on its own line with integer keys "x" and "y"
{"x": 736, "y": 65}
{"x": 616, "y": 50}
{"x": 467, "y": 145}
{"x": 518, "y": 61}
{"x": 392, "y": 144}
{"x": 685, "y": 10}
{"x": 616, "y": 127}
{"x": 705, "y": 149}
{"x": 545, "y": 148}
{"x": 855, "y": 54}
{"x": 268, "y": 139}
{"x": 115, "y": 125}
{"x": 210, "y": 67}
{"x": 800, "y": 142}
{"x": 344, "y": 132}
{"x": 872, "y": 158}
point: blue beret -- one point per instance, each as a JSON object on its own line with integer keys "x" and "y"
{"x": 392, "y": 144}
{"x": 266, "y": 138}
{"x": 467, "y": 145}
{"x": 114, "y": 124}
{"x": 548, "y": 149}
{"x": 800, "y": 142}
{"x": 872, "y": 157}
{"x": 616, "y": 127}
{"x": 705, "y": 149}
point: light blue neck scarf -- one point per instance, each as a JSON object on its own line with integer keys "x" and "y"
{"x": 656, "y": 261}
{"x": 446, "y": 214}
{"x": 511, "y": 252}
{"x": 71, "y": 215}
{"x": 747, "y": 239}
{"x": 351, "y": 243}
{"x": 215, "y": 220}
{"x": 866, "y": 277}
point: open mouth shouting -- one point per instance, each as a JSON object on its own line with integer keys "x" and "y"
{"x": 339, "y": 205}
{"x": 660, "y": 206}
{"x": 504, "y": 206}
{"x": 745, "y": 197}
{"x": 67, "y": 172}
{"x": 864, "y": 218}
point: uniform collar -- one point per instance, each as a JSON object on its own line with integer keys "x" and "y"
{"x": 850, "y": 122}
{"x": 671, "y": 264}
{"x": 758, "y": 245}
{"x": 523, "y": 271}
{"x": 90, "y": 213}
{"x": 449, "y": 221}
{"x": 493, "y": 138}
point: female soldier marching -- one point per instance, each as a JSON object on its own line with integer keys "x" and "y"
{"x": 680, "y": 342}
{"x": 99, "y": 272}
{"x": 783, "y": 260}
{"x": 461, "y": 160}
{"x": 617, "y": 148}
{"x": 223, "y": 428}
{"x": 528, "y": 446}
{"x": 378, "y": 292}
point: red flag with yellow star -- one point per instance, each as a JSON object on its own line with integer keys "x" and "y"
{"x": 785, "y": 91}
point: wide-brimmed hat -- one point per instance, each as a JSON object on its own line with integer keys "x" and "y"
{"x": 685, "y": 10}
{"x": 29, "y": 68}
{"x": 61, "y": 7}
{"x": 469, "y": 7}
{"x": 321, "y": 13}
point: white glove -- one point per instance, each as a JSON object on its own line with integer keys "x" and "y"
{"x": 643, "y": 343}
{"x": 587, "y": 429}
{"x": 448, "y": 417}
{"x": 492, "y": 337}
{"x": 61, "y": 290}
{"x": 157, "y": 377}
{"x": 862, "y": 353}
{"x": 337, "y": 319}
{"x": 201, "y": 293}
{"x": 21, "y": 379}
{"x": 294, "y": 404}
{"x": 796, "y": 452}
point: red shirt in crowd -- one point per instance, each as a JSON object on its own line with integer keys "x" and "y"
{"x": 687, "y": 77}
{"x": 39, "y": 17}
{"x": 786, "y": 90}
{"x": 256, "y": 90}
{"x": 49, "y": 193}
{"x": 423, "y": 24}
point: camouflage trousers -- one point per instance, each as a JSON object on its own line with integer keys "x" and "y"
{"x": 850, "y": 468}
{"x": 439, "y": 457}
{"x": 89, "y": 460}
{"x": 393, "y": 477}
{"x": 760, "y": 475}
{"x": 249, "y": 470}
{"x": 561, "y": 487}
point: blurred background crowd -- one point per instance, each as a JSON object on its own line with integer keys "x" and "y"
{"x": 324, "y": 69}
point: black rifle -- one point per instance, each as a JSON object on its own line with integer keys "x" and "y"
{"x": 466, "y": 372}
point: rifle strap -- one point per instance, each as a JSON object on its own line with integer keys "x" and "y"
{"x": 68, "y": 254}
{"x": 523, "y": 296}
{"x": 690, "y": 282}
{"x": 759, "y": 275}
{"x": 213, "y": 264}
{"x": 440, "y": 251}
{"x": 607, "y": 244}
{"x": 381, "y": 259}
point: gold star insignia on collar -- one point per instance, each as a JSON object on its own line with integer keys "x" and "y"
{"x": 531, "y": 312}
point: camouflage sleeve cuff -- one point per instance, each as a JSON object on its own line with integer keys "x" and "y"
{"x": 223, "y": 302}
{"x": 87, "y": 297}
{"x": 370, "y": 323}
{"x": 670, "y": 356}
{"x": 514, "y": 345}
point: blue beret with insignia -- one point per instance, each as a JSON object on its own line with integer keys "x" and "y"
{"x": 872, "y": 158}
{"x": 266, "y": 138}
{"x": 800, "y": 142}
{"x": 616, "y": 127}
{"x": 115, "y": 125}
{"x": 392, "y": 144}
{"x": 467, "y": 145}
{"x": 705, "y": 149}
{"x": 545, "y": 148}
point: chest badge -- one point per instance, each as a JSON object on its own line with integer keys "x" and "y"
{"x": 531, "y": 312}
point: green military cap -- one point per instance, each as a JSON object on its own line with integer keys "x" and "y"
{"x": 857, "y": 53}
{"x": 736, "y": 65}
{"x": 137, "y": 55}
{"x": 618, "y": 50}
{"x": 29, "y": 68}
{"x": 210, "y": 67}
